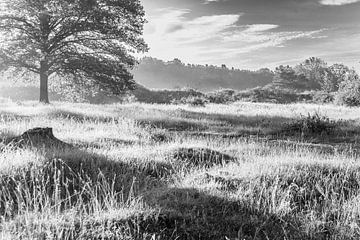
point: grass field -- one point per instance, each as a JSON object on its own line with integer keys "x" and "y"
{"x": 239, "y": 171}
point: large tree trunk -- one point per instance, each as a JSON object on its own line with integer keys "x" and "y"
{"x": 44, "y": 65}
{"x": 44, "y": 78}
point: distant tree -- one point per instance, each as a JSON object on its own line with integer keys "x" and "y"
{"x": 159, "y": 74}
{"x": 349, "y": 90}
{"x": 314, "y": 70}
{"x": 328, "y": 81}
{"x": 286, "y": 76}
{"x": 84, "y": 41}
{"x": 339, "y": 70}
{"x": 340, "y": 73}
{"x": 264, "y": 70}
{"x": 176, "y": 61}
{"x": 331, "y": 77}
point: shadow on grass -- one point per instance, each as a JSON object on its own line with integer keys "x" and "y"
{"x": 174, "y": 124}
{"x": 234, "y": 120}
{"x": 197, "y": 123}
{"x": 67, "y": 170}
{"x": 192, "y": 214}
{"x": 270, "y": 127}
{"x": 185, "y": 213}
{"x": 195, "y": 214}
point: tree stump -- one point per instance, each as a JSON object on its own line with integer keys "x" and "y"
{"x": 36, "y": 137}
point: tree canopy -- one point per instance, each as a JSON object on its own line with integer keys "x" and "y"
{"x": 88, "y": 42}
{"x": 312, "y": 74}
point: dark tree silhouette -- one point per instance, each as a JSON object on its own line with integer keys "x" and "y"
{"x": 88, "y": 41}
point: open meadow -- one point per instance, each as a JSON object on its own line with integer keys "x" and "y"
{"x": 141, "y": 171}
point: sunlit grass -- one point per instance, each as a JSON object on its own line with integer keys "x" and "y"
{"x": 121, "y": 182}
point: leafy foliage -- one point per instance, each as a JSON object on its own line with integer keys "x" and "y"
{"x": 222, "y": 96}
{"x": 323, "y": 97}
{"x": 349, "y": 91}
{"x": 312, "y": 74}
{"x": 195, "y": 101}
{"x": 314, "y": 70}
{"x": 83, "y": 41}
{"x": 286, "y": 77}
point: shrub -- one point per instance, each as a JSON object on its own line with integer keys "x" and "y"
{"x": 349, "y": 91}
{"x": 129, "y": 98}
{"x": 195, "y": 101}
{"x": 322, "y": 97}
{"x": 222, "y": 96}
{"x": 271, "y": 94}
{"x": 312, "y": 124}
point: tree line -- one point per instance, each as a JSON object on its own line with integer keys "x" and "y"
{"x": 175, "y": 74}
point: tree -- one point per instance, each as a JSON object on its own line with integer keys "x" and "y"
{"x": 349, "y": 90}
{"x": 314, "y": 70}
{"x": 286, "y": 76}
{"x": 85, "y": 41}
{"x": 331, "y": 77}
{"x": 340, "y": 73}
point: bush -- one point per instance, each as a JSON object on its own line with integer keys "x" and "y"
{"x": 195, "y": 101}
{"x": 312, "y": 124}
{"x": 323, "y": 97}
{"x": 146, "y": 95}
{"x": 349, "y": 91}
{"x": 128, "y": 98}
{"x": 222, "y": 96}
{"x": 272, "y": 94}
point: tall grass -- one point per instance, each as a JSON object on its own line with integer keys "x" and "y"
{"x": 121, "y": 182}
{"x": 51, "y": 201}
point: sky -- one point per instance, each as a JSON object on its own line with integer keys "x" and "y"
{"x": 253, "y": 34}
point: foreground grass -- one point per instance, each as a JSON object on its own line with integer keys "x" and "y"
{"x": 176, "y": 172}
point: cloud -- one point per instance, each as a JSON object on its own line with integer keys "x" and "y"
{"x": 338, "y": 2}
{"x": 260, "y": 27}
{"x": 171, "y": 33}
{"x": 246, "y": 42}
{"x": 171, "y": 25}
{"x": 259, "y": 33}
{"x": 211, "y": 1}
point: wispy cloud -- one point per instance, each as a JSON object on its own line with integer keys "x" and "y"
{"x": 338, "y": 2}
{"x": 172, "y": 34}
{"x": 253, "y": 33}
{"x": 260, "y": 27}
{"x": 259, "y": 33}
{"x": 212, "y": 1}
{"x": 171, "y": 25}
